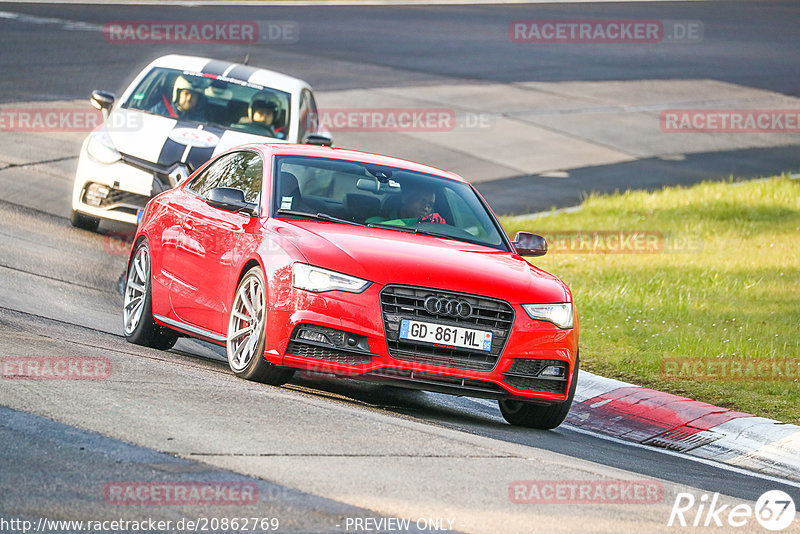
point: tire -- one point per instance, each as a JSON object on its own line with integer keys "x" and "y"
{"x": 137, "y": 311}
{"x": 84, "y": 222}
{"x": 246, "y": 337}
{"x": 521, "y": 413}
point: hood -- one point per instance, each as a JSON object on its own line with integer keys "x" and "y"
{"x": 164, "y": 141}
{"x": 394, "y": 257}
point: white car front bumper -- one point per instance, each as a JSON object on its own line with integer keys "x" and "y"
{"x": 110, "y": 191}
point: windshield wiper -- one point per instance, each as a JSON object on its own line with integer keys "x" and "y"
{"x": 408, "y": 229}
{"x": 413, "y": 230}
{"x": 317, "y": 216}
{"x": 455, "y": 237}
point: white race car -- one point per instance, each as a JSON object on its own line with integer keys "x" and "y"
{"x": 178, "y": 113}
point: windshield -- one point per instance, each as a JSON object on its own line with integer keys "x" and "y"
{"x": 386, "y": 197}
{"x": 226, "y": 102}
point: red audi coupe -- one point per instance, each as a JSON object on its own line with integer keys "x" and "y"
{"x": 299, "y": 257}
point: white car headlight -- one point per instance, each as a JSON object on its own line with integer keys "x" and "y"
{"x": 101, "y": 147}
{"x": 559, "y": 314}
{"x": 317, "y": 279}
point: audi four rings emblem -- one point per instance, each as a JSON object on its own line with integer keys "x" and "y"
{"x": 448, "y": 306}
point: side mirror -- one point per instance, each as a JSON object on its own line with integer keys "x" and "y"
{"x": 230, "y": 199}
{"x": 318, "y": 139}
{"x": 103, "y": 100}
{"x": 528, "y": 244}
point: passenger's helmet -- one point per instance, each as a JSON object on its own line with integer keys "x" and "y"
{"x": 260, "y": 102}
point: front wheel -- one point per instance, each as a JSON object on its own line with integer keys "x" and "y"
{"x": 137, "y": 311}
{"x": 247, "y": 331}
{"x": 520, "y": 413}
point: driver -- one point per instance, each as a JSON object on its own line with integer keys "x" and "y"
{"x": 417, "y": 202}
{"x": 185, "y": 102}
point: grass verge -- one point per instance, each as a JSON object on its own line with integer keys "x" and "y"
{"x": 709, "y": 305}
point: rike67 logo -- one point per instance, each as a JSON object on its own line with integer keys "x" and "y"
{"x": 774, "y": 510}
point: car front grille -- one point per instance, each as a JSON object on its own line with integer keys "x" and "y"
{"x": 111, "y": 198}
{"x": 117, "y": 197}
{"x": 408, "y": 302}
{"x": 524, "y": 374}
{"x": 164, "y": 175}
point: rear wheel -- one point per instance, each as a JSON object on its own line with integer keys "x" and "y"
{"x": 520, "y": 413}
{"x": 85, "y": 222}
{"x": 137, "y": 311}
{"x": 247, "y": 332}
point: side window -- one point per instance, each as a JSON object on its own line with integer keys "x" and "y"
{"x": 209, "y": 179}
{"x": 463, "y": 216}
{"x": 246, "y": 173}
{"x": 149, "y": 90}
{"x": 309, "y": 119}
{"x": 240, "y": 170}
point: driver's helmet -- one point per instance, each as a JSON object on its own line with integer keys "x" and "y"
{"x": 182, "y": 83}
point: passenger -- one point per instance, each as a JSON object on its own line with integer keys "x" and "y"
{"x": 262, "y": 113}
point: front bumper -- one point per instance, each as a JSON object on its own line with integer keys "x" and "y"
{"x": 359, "y": 341}
{"x": 118, "y": 190}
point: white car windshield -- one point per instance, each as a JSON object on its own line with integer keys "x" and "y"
{"x": 386, "y": 197}
{"x": 226, "y": 102}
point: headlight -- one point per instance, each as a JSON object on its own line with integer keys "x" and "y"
{"x": 317, "y": 279}
{"x": 101, "y": 147}
{"x": 559, "y": 314}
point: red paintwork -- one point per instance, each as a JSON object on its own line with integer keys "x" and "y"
{"x": 199, "y": 253}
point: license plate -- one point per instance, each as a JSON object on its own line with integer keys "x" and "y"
{"x": 439, "y": 334}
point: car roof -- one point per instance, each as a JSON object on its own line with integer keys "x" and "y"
{"x": 218, "y": 67}
{"x": 317, "y": 151}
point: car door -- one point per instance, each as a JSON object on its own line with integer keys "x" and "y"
{"x": 178, "y": 251}
{"x": 215, "y": 240}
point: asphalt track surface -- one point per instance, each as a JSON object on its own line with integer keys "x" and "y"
{"x": 179, "y": 415}
{"x": 753, "y": 44}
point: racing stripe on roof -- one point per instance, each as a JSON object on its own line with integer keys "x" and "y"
{"x": 217, "y": 67}
{"x": 242, "y": 72}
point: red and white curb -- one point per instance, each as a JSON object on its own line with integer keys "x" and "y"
{"x": 650, "y": 417}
